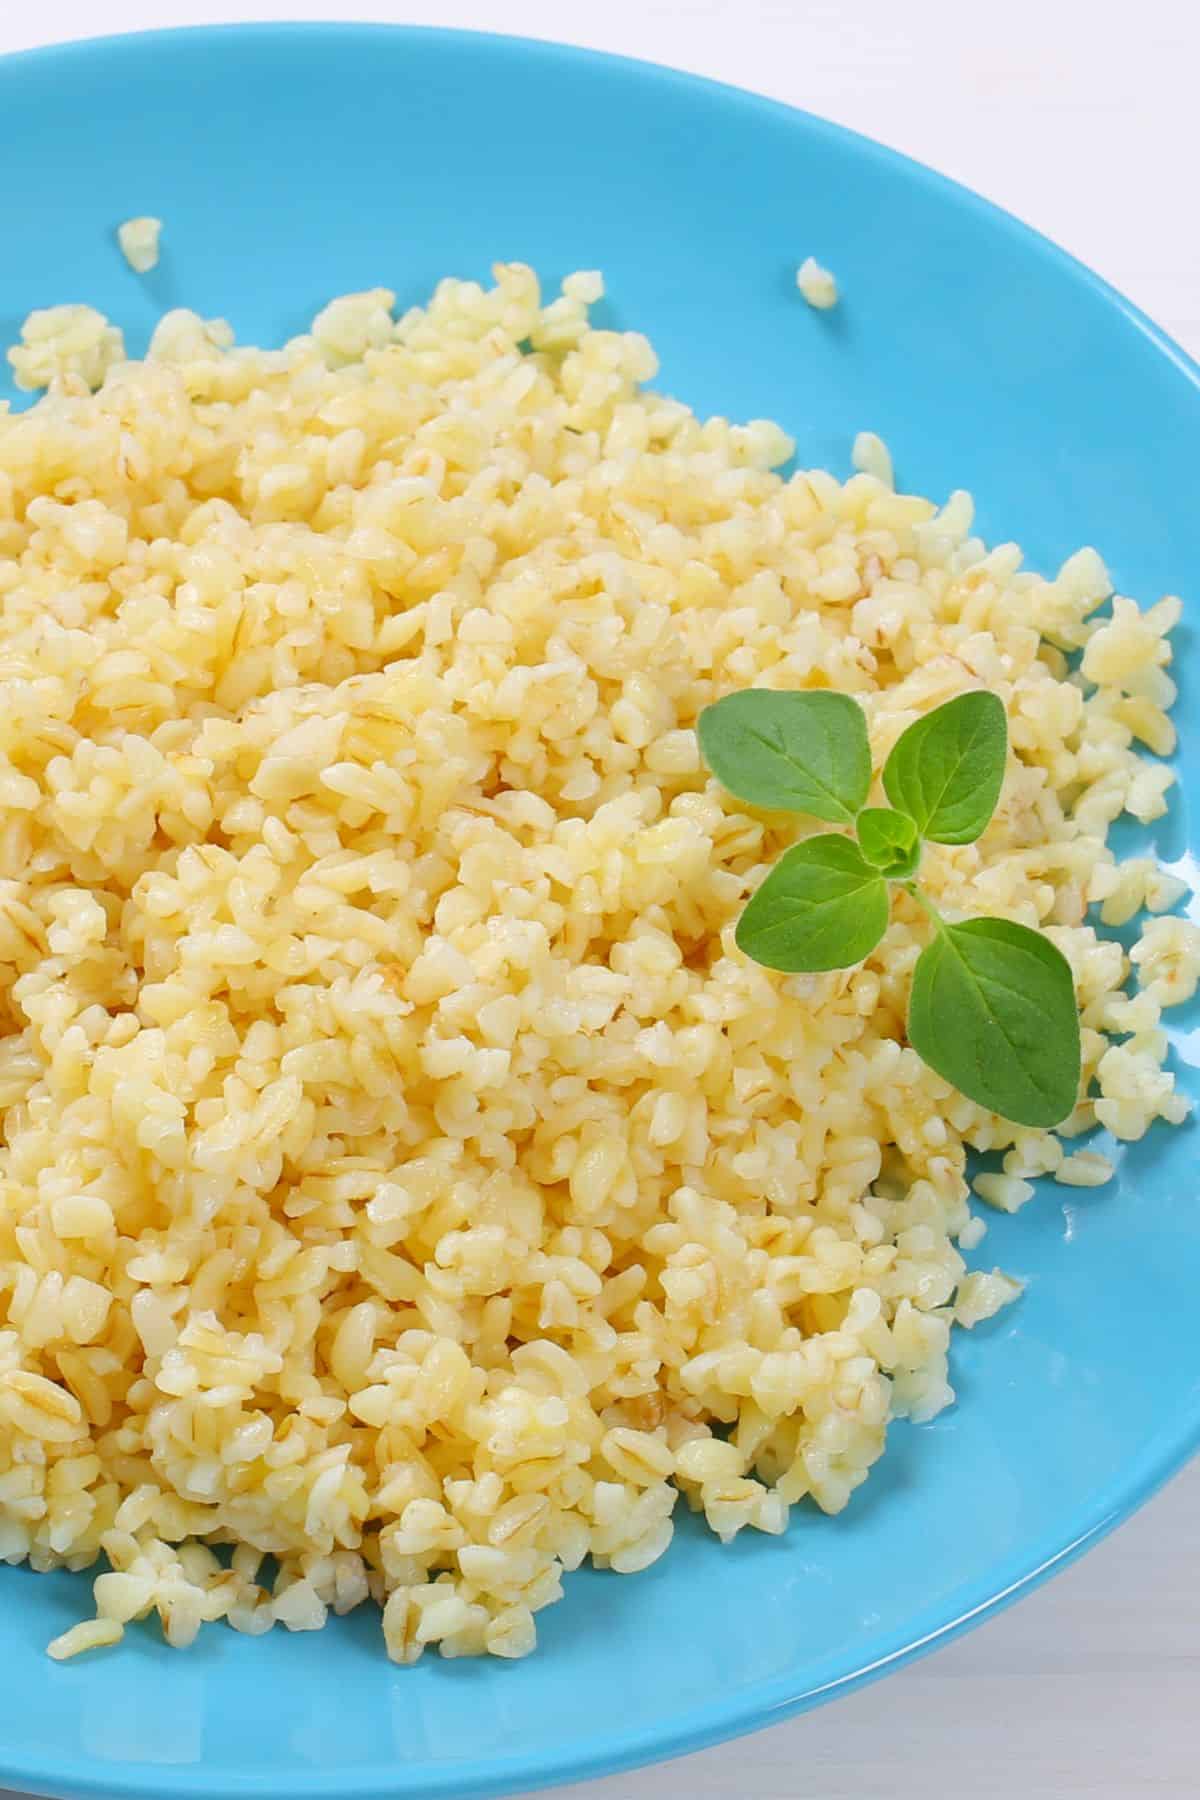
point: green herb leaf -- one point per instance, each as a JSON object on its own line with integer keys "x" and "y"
{"x": 822, "y": 907}
{"x": 790, "y": 752}
{"x": 992, "y": 1009}
{"x": 889, "y": 841}
{"x": 946, "y": 770}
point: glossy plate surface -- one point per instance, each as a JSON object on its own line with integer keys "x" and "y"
{"x": 294, "y": 163}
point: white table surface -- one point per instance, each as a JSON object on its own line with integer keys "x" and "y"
{"x": 1081, "y": 116}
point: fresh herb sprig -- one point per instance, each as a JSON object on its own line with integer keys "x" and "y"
{"x": 992, "y": 1007}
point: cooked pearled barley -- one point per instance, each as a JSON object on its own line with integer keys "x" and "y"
{"x": 405, "y": 1176}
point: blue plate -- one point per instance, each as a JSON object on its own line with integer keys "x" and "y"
{"x": 293, "y": 163}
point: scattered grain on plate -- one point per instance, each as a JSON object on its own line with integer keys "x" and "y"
{"x": 405, "y": 1177}
{"x": 71, "y": 344}
{"x": 972, "y": 1233}
{"x": 1085, "y": 1168}
{"x": 817, "y": 284}
{"x": 138, "y": 239}
{"x": 1006, "y": 1192}
{"x": 1134, "y": 886}
{"x": 981, "y": 1296}
{"x": 871, "y": 456}
{"x": 89, "y": 1634}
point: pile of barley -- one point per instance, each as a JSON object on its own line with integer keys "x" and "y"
{"x": 404, "y": 1176}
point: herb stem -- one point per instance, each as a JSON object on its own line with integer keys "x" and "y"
{"x": 910, "y": 887}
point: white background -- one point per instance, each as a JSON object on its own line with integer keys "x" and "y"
{"x": 1082, "y": 117}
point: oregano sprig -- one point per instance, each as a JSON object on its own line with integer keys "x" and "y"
{"x": 992, "y": 1007}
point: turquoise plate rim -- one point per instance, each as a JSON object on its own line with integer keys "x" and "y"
{"x": 771, "y": 1700}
